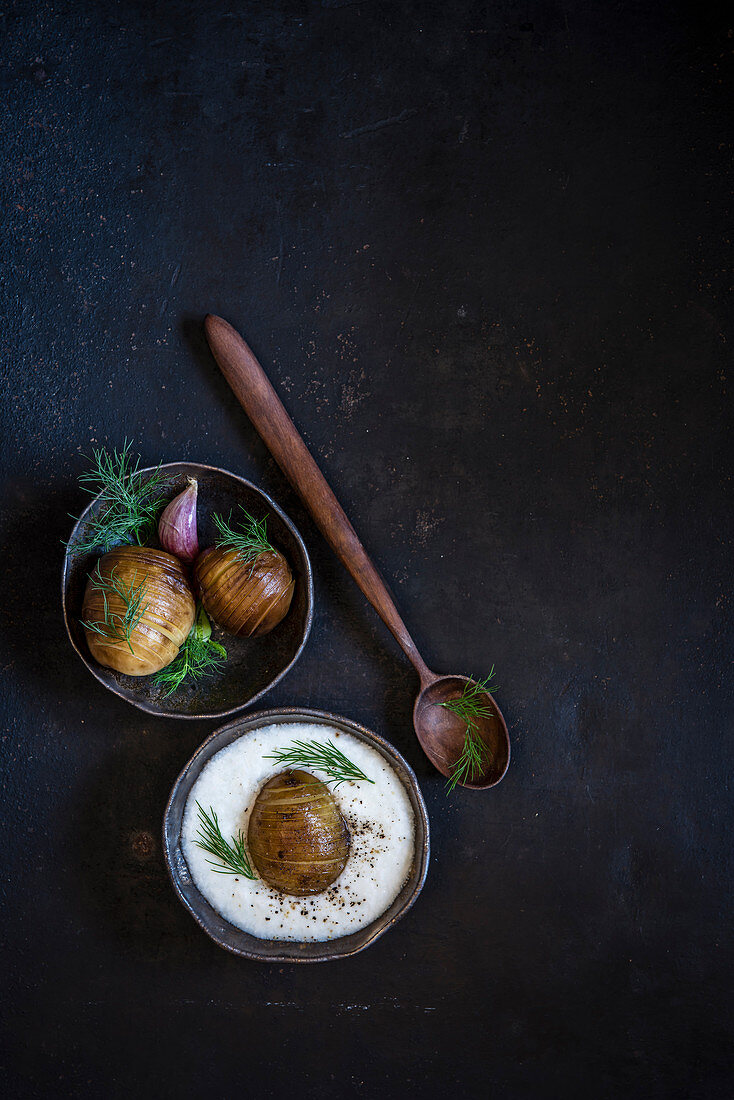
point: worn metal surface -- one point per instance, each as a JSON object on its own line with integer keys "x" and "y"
{"x": 480, "y": 250}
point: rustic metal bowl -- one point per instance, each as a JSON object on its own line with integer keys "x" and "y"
{"x": 243, "y": 943}
{"x": 253, "y": 665}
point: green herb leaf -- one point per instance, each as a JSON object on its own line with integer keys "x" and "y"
{"x": 325, "y": 757}
{"x": 470, "y": 762}
{"x": 249, "y": 542}
{"x": 131, "y": 501}
{"x": 115, "y": 626}
{"x": 470, "y": 706}
{"x": 199, "y": 656}
{"x": 231, "y": 856}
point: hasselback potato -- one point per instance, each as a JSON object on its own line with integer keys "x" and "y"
{"x": 297, "y": 837}
{"x": 244, "y": 596}
{"x": 138, "y": 609}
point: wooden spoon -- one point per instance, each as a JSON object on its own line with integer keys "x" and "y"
{"x": 440, "y": 731}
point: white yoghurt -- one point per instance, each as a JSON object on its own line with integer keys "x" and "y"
{"x": 379, "y": 816}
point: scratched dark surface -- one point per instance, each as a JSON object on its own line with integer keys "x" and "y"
{"x": 481, "y": 250}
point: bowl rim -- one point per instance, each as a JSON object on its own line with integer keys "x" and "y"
{"x": 266, "y": 717}
{"x": 143, "y": 704}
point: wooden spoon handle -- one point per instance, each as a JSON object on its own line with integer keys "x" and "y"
{"x": 264, "y": 408}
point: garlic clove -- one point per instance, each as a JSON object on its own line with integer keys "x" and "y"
{"x": 177, "y": 526}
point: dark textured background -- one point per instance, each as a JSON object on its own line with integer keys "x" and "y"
{"x": 481, "y": 249}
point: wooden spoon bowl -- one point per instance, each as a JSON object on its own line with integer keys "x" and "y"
{"x": 441, "y": 732}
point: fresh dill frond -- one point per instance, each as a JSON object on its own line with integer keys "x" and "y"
{"x": 232, "y": 856}
{"x": 470, "y": 706}
{"x": 249, "y": 541}
{"x": 199, "y": 656}
{"x": 325, "y": 757}
{"x": 115, "y": 625}
{"x": 131, "y": 500}
{"x": 470, "y": 762}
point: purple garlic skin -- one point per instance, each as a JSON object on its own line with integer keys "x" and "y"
{"x": 177, "y": 526}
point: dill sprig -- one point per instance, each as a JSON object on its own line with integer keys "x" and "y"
{"x": 249, "y": 542}
{"x": 232, "y": 856}
{"x": 131, "y": 501}
{"x": 326, "y": 757}
{"x": 199, "y": 656}
{"x": 470, "y": 761}
{"x": 470, "y": 706}
{"x": 118, "y": 626}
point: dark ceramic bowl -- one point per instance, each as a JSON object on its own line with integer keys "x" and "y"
{"x": 253, "y": 665}
{"x": 243, "y": 943}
